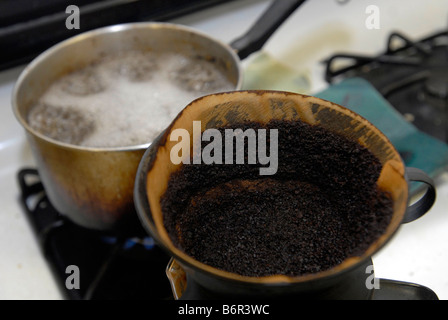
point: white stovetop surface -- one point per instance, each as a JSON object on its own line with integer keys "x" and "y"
{"x": 418, "y": 253}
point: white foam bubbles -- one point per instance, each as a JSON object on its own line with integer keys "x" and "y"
{"x": 125, "y": 99}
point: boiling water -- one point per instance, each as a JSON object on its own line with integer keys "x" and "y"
{"x": 123, "y": 100}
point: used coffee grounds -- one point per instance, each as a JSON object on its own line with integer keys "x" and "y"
{"x": 321, "y": 207}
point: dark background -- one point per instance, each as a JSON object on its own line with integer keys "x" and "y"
{"x": 28, "y": 27}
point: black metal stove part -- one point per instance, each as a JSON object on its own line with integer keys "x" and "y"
{"x": 413, "y": 77}
{"x": 389, "y": 57}
{"x": 110, "y": 267}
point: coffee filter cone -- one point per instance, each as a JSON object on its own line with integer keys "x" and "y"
{"x": 233, "y": 108}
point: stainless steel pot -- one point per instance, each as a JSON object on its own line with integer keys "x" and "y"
{"x": 94, "y": 186}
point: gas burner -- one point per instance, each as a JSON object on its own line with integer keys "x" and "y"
{"x": 110, "y": 266}
{"x": 412, "y": 76}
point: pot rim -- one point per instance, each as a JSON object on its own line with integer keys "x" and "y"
{"x": 98, "y": 33}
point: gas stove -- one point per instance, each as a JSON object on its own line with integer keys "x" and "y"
{"x": 38, "y": 243}
{"x": 412, "y": 74}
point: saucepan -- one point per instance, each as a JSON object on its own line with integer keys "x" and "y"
{"x": 93, "y": 187}
{"x": 234, "y": 109}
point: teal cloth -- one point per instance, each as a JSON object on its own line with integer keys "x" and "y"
{"x": 418, "y": 149}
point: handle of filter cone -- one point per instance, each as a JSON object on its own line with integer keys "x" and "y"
{"x": 424, "y": 204}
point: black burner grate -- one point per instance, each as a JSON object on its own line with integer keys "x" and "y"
{"x": 412, "y": 76}
{"x": 109, "y": 267}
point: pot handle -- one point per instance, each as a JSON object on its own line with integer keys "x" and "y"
{"x": 264, "y": 27}
{"x": 421, "y": 206}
